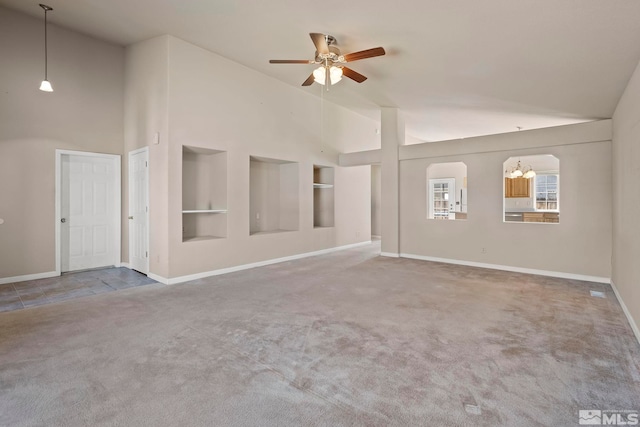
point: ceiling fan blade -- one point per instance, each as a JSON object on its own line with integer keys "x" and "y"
{"x": 290, "y": 61}
{"x": 364, "y": 54}
{"x": 309, "y": 81}
{"x": 321, "y": 42}
{"x": 353, "y": 75}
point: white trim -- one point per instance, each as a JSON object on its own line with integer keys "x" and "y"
{"x": 176, "y": 280}
{"x": 390, "y": 254}
{"x": 117, "y": 159}
{"x": 125, "y": 265}
{"x": 549, "y": 273}
{"x": 57, "y": 214}
{"x": 26, "y": 277}
{"x": 157, "y": 278}
{"x": 132, "y": 153}
{"x": 632, "y": 322}
{"x": 139, "y": 150}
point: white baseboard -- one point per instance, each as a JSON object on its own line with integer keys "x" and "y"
{"x": 26, "y": 277}
{"x": 558, "y": 274}
{"x": 375, "y": 236}
{"x": 632, "y": 322}
{"x": 125, "y": 265}
{"x": 157, "y": 278}
{"x": 390, "y": 254}
{"x": 181, "y": 279}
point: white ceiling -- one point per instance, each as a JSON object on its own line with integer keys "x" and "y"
{"x": 455, "y": 68}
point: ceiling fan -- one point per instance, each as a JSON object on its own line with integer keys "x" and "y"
{"x": 331, "y": 61}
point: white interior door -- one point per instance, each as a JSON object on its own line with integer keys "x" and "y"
{"x": 139, "y": 210}
{"x": 89, "y": 230}
{"x": 442, "y": 198}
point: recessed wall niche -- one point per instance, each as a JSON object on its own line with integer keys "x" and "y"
{"x": 532, "y": 189}
{"x": 274, "y": 200}
{"x": 447, "y": 191}
{"x": 204, "y": 194}
{"x": 323, "y": 198}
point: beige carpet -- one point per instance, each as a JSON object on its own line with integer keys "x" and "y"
{"x": 348, "y": 338}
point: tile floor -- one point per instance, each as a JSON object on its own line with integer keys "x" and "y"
{"x": 14, "y": 296}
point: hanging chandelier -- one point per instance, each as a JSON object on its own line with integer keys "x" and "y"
{"x": 519, "y": 171}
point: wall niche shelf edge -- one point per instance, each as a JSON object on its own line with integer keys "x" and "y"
{"x": 319, "y": 185}
{"x": 205, "y": 211}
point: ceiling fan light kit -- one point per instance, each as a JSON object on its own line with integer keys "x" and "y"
{"x": 331, "y": 61}
{"x": 320, "y": 74}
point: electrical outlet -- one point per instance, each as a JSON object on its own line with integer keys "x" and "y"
{"x": 483, "y": 250}
{"x": 357, "y": 234}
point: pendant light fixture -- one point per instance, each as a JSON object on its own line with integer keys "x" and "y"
{"x": 45, "y": 86}
{"x": 520, "y": 171}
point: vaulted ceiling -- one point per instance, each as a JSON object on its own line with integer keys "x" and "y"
{"x": 455, "y": 68}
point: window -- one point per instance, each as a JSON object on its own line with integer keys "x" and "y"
{"x": 547, "y": 192}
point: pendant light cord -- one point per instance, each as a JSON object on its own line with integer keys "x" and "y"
{"x": 46, "y": 49}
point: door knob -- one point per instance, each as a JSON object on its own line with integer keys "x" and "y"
{"x": 130, "y": 217}
{"x": 63, "y": 220}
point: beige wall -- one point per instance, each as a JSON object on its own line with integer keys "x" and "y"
{"x": 376, "y": 200}
{"x": 83, "y": 113}
{"x": 392, "y": 138}
{"x": 626, "y": 198}
{"x": 214, "y": 103}
{"x": 579, "y": 245}
{"x": 146, "y": 77}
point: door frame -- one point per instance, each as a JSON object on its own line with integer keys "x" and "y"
{"x": 430, "y": 198}
{"x": 131, "y": 153}
{"x": 117, "y": 206}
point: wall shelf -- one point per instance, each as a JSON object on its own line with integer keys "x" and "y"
{"x": 204, "y": 185}
{"x": 199, "y": 238}
{"x": 263, "y": 233}
{"x": 323, "y": 198}
{"x": 274, "y": 199}
{"x": 318, "y": 185}
{"x": 195, "y": 211}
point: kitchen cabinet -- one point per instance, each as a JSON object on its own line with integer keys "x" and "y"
{"x": 552, "y": 217}
{"x": 533, "y": 216}
{"x": 517, "y": 187}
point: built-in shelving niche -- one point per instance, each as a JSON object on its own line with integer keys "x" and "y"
{"x": 323, "y": 198}
{"x": 274, "y": 201}
{"x": 204, "y": 194}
